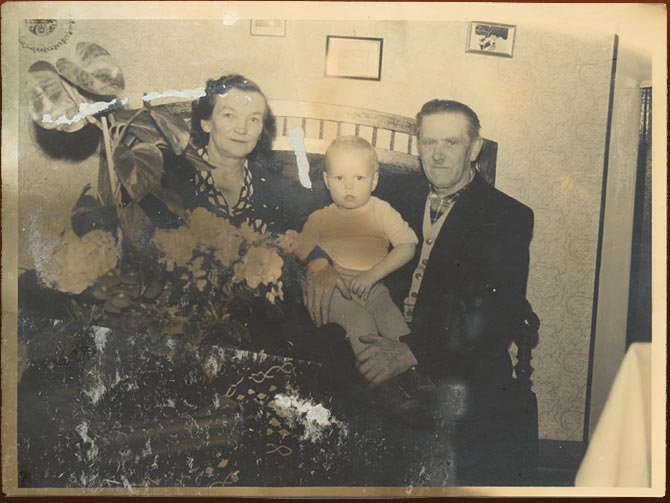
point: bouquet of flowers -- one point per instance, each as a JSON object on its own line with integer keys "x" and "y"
{"x": 204, "y": 278}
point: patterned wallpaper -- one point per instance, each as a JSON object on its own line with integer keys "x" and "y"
{"x": 557, "y": 171}
{"x": 546, "y": 107}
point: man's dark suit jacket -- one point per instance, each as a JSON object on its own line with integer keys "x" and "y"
{"x": 474, "y": 287}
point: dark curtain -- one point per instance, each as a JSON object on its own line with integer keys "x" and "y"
{"x": 639, "y": 306}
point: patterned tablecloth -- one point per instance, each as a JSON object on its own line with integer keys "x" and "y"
{"x": 104, "y": 408}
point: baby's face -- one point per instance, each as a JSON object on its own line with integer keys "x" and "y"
{"x": 350, "y": 177}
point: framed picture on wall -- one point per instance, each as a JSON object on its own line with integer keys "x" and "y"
{"x": 353, "y": 57}
{"x": 493, "y": 39}
{"x": 268, "y": 27}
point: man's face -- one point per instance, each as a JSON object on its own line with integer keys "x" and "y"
{"x": 446, "y": 149}
{"x": 350, "y": 177}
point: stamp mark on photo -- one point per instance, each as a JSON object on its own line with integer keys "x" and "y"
{"x": 45, "y": 35}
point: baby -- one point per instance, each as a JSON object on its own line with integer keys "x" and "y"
{"x": 356, "y": 231}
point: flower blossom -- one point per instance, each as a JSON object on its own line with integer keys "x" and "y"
{"x": 260, "y": 265}
{"x": 275, "y": 292}
{"x": 72, "y": 264}
{"x": 207, "y": 233}
{"x": 287, "y": 241}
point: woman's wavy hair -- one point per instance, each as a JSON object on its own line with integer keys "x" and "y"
{"x": 202, "y": 108}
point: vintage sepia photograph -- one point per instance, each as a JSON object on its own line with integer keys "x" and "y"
{"x": 301, "y": 249}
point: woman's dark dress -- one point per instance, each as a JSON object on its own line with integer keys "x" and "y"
{"x": 268, "y": 200}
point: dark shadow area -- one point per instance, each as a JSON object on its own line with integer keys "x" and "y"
{"x": 639, "y": 304}
{"x": 76, "y": 146}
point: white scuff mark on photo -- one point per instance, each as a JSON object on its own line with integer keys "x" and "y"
{"x": 82, "y": 429}
{"x": 40, "y": 248}
{"x": 296, "y": 138}
{"x": 147, "y": 448}
{"x": 230, "y": 17}
{"x": 100, "y": 337}
{"x": 86, "y": 110}
{"x": 314, "y": 418}
{"x": 95, "y": 388}
{"x": 190, "y": 94}
{"x": 127, "y": 485}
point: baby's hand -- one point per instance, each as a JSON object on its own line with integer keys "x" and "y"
{"x": 288, "y": 241}
{"x": 362, "y": 284}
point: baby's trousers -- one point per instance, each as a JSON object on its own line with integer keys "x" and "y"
{"x": 376, "y": 315}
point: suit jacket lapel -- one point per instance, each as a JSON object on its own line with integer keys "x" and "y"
{"x": 416, "y": 192}
{"x": 462, "y": 220}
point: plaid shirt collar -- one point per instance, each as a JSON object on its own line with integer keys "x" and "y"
{"x": 439, "y": 204}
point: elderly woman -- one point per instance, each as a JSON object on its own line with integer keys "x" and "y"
{"x": 232, "y": 128}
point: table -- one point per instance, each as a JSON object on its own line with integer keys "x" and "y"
{"x": 101, "y": 407}
{"x": 619, "y": 454}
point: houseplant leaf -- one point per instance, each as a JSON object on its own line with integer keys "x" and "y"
{"x": 140, "y": 168}
{"x": 135, "y": 224}
{"x": 173, "y": 128}
{"x": 146, "y": 132}
{"x": 93, "y": 70}
{"x": 171, "y": 200}
{"x": 140, "y": 126}
{"x": 48, "y": 95}
{"x": 88, "y": 214}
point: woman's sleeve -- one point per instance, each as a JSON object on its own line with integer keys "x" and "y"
{"x": 298, "y": 203}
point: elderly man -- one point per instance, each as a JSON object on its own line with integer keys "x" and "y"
{"x": 464, "y": 294}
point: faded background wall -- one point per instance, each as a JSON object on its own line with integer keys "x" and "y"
{"x": 546, "y": 107}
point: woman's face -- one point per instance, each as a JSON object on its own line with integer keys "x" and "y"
{"x": 235, "y": 125}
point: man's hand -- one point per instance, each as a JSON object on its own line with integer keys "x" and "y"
{"x": 362, "y": 284}
{"x": 383, "y": 359}
{"x": 320, "y": 284}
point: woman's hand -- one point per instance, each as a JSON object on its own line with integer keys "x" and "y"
{"x": 320, "y": 284}
{"x": 362, "y": 284}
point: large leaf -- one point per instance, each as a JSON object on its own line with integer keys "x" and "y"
{"x": 93, "y": 70}
{"x": 140, "y": 168}
{"x": 147, "y": 133}
{"x": 172, "y": 201}
{"x": 88, "y": 214}
{"x": 174, "y": 129}
{"x": 140, "y": 126}
{"x": 135, "y": 224}
{"x": 47, "y": 95}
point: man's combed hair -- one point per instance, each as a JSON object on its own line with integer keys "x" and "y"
{"x": 351, "y": 142}
{"x": 202, "y": 108}
{"x": 448, "y": 106}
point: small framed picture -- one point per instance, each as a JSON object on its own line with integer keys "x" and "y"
{"x": 491, "y": 38}
{"x": 354, "y": 57}
{"x": 268, "y": 27}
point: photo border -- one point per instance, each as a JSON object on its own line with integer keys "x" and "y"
{"x": 12, "y": 11}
